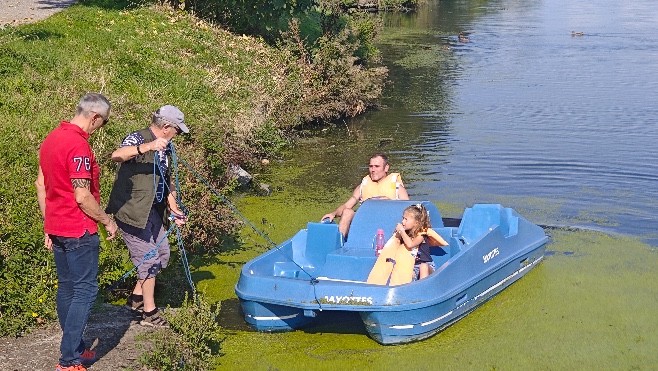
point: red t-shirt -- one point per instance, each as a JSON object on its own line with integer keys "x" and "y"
{"x": 65, "y": 154}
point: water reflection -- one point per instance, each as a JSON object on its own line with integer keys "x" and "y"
{"x": 526, "y": 109}
{"x": 560, "y": 127}
{"x": 549, "y": 107}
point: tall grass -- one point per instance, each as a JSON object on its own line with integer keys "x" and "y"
{"x": 240, "y": 97}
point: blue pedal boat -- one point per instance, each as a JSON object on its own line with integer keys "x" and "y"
{"x": 288, "y": 286}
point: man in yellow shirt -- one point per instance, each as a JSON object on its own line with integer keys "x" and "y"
{"x": 377, "y": 184}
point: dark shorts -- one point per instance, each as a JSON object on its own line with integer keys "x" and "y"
{"x": 417, "y": 269}
{"x": 148, "y": 247}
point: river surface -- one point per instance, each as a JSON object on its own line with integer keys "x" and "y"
{"x": 547, "y": 106}
{"x": 550, "y": 107}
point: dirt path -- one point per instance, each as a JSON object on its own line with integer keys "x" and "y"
{"x": 14, "y": 12}
{"x": 115, "y": 327}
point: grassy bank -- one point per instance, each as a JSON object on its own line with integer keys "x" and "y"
{"x": 241, "y": 97}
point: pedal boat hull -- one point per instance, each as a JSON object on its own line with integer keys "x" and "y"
{"x": 290, "y": 286}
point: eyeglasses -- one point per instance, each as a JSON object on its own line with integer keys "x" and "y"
{"x": 105, "y": 120}
{"x": 178, "y": 130}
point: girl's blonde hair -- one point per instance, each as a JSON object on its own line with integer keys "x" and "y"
{"x": 420, "y": 214}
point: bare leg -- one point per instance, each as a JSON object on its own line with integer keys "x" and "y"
{"x": 146, "y": 288}
{"x": 345, "y": 221}
{"x": 424, "y": 269}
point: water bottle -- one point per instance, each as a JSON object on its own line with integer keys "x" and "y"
{"x": 379, "y": 241}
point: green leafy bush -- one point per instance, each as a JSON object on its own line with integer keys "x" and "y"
{"x": 192, "y": 341}
{"x": 265, "y": 18}
{"x": 241, "y": 97}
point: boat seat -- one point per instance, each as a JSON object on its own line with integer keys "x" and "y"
{"x": 385, "y": 214}
{"x": 455, "y": 245}
{"x": 286, "y": 269}
{"x": 477, "y": 221}
{"x": 356, "y": 263}
{"x": 289, "y": 268}
{"x": 353, "y": 264}
{"x": 321, "y": 239}
{"x": 311, "y": 246}
{"x": 480, "y": 219}
{"x": 510, "y": 221}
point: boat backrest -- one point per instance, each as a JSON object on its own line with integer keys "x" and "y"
{"x": 510, "y": 220}
{"x": 298, "y": 247}
{"x": 455, "y": 246}
{"x": 321, "y": 239}
{"x": 477, "y": 221}
{"x": 481, "y": 218}
{"x": 384, "y": 214}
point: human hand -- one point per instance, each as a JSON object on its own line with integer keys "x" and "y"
{"x": 111, "y": 228}
{"x": 329, "y": 216}
{"x": 158, "y": 144}
{"x": 179, "y": 218}
{"x": 48, "y": 242}
{"x": 399, "y": 229}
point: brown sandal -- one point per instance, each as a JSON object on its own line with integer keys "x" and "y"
{"x": 154, "y": 320}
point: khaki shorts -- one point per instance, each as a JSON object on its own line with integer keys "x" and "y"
{"x": 148, "y": 256}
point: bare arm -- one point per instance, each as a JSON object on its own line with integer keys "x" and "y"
{"x": 41, "y": 199}
{"x": 88, "y": 205}
{"x": 41, "y": 193}
{"x": 349, "y": 204}
{"x": 409, "y": 242}
{"x": 180, "y": 217}
{"x": 402, "y": 192}
{"x": 126, "y": 153}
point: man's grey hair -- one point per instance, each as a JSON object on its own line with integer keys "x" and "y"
{"x": 93, "y": 102}
{"x": 158, "y": 121}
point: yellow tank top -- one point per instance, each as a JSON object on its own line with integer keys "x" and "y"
{"x": 385, "y": 187}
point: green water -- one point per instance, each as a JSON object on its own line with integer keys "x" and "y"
{"x": 523, "y": 115}
{"x": 589, "y": 305}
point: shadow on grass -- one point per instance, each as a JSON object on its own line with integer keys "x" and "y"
{"x": 38, "y": 34}
{"x": 107, "y": 326}
{"x": 108, "y": 4}
{"x": 231, "y": 317}
{"x": 172, "y": 282}
{"x": 54, "y": 4}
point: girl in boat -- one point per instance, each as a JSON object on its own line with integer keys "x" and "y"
{"x": 411, "y": 232}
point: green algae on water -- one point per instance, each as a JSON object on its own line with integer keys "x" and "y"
{"x": 590, "y": 302}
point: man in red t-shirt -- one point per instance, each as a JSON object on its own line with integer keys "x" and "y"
{"x": 68, "y": 191}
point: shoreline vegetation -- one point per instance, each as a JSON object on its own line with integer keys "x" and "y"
{"x": 247, "y": 84}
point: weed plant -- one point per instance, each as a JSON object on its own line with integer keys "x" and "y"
{"x": 192, "y": 343}
{"x": 241, "y": 98}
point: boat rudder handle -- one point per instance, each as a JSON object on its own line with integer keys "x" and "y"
{"x": 461, "y": 300}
